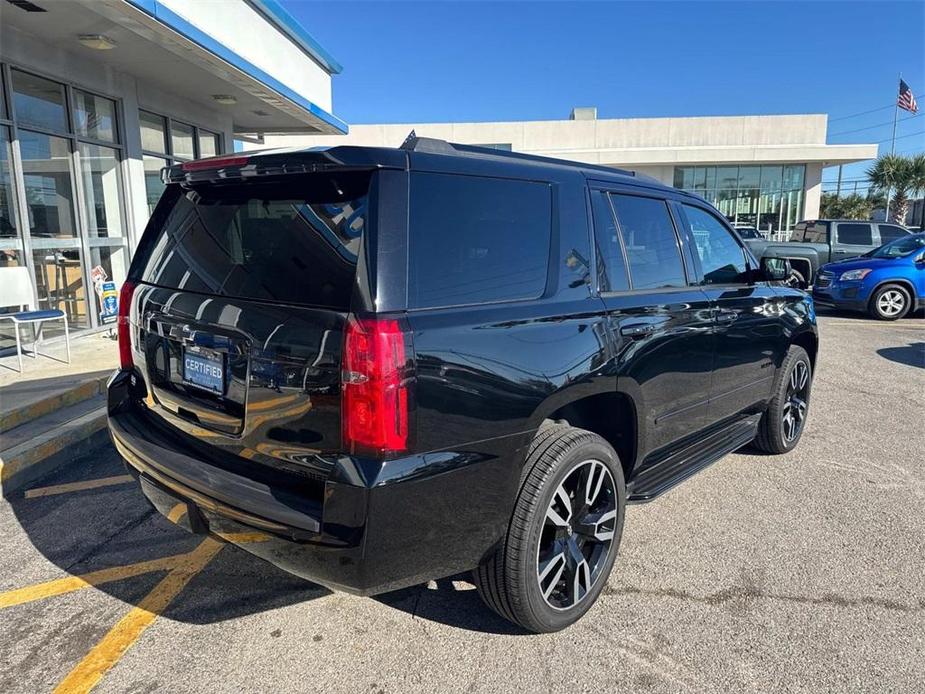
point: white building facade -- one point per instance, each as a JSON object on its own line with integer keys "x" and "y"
{"x": 97, "y": 96}
{"x": 765, "y": 171}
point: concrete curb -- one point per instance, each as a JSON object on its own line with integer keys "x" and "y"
{"x": 56, "y": 401}
{"x": 52, "y": 449}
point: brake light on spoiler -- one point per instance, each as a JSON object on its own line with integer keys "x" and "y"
{"x": 214, "y": 163}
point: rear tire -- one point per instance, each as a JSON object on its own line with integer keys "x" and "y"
{"x": 783, "y": 422}
{"x": 564, "y": 533}
{"x": 890, "y": 302}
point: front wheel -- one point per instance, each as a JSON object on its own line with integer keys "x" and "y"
{"x": 782, "y": 423}
{"x": 564, "y": 533}
{"x": 890, "y": 302}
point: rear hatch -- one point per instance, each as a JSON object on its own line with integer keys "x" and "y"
{"x": 243, "y": 292}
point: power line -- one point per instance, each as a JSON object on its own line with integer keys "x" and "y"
{"x": 873, "y": 110}
{"x": 878, "y": 125}
{"x": 890, "y": 139}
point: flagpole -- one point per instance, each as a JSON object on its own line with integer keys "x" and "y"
{"x": 895, "y": 116}
{"x": 889, "y": 192}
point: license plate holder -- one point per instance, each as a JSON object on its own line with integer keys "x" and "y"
{"x": 205, "y": 369}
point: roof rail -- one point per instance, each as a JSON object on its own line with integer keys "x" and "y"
{"x": 413, "y": 143}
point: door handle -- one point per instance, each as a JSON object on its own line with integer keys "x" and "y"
{"x": 726, "y": 316}
{"x": 637, "y": 330}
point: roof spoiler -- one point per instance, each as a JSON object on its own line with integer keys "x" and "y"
{"x": 431, "y": 145}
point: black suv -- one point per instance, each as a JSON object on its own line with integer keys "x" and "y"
{"x": 373, "y": 367}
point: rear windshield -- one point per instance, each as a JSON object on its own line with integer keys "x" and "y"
{"x": 291, "y": 241}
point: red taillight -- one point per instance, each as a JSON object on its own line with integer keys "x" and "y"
{"x": 124, "y": 332}
{"x": 375, "y": 396}
{"x": 213, "y": 163}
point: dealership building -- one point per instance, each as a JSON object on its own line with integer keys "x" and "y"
{"x": 765, "y": 171}
{"x": 97, "y": 96}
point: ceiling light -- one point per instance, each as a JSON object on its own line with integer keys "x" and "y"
{"x": 226, "y": 99}
{"x": 97, "y": 41}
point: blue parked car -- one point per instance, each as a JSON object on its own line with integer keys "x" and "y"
{"x": 887, "y": 282}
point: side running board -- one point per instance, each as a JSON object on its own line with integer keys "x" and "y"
{"x": 680, "y": 465}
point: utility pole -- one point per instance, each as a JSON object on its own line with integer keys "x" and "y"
{"x": 838, "y": 185}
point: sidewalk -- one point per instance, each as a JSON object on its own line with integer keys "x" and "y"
{"x": 54, "y": 411}
{"x": 92, "y": 357}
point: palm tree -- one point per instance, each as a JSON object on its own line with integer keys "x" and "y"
{"x": 917, "y": 182}
{"x": 899, "y": 173}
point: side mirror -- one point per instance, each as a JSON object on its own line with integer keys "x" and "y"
{"x": 775, "y": 269}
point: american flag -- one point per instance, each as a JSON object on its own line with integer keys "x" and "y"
{"x": 906, "y": 100}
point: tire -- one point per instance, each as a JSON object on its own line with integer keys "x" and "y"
{"x": 794, "y": 386}
{"x": 890, "y": 302}
{"x": 562, "y": 460}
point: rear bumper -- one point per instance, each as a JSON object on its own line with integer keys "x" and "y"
{"x": 377, "y": 526}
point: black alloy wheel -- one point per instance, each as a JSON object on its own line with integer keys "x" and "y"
{"x": 564, "y": 533}
{"x": 783, "y": 422}
{"x": 796, "y": 403}
{"x": 577, "y": 535}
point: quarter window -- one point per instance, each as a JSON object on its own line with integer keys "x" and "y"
{"x": 611, "y": 266}
{"x": 650, "y": 241}
{"x": 475, "y": 239}
{"x": 855, "y": 234}
{"x": 890, "y": 232}
{"x": 721, "y": 257}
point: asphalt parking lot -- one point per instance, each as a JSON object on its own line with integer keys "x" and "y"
{"x": 803, "y": 572}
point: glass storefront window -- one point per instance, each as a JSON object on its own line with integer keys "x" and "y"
{"x": 8, "y": 225}
{"x": 793, "y": 177}
{"x": 208, "y": 144}
{"x": 181, "y": 139}
{"x": 153, "y": 132}
{"x": 48, "y": 186}
{"x": 94, "y": 116}
{"x": 102, "y": 189}
{"x": 769, "y": 197}
{"x": 38, "y": 101}
{"x": 770, "y": 178}
{"x": 153, "y": 184}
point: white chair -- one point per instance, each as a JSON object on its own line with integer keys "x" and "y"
{"x": 16, "y": 290}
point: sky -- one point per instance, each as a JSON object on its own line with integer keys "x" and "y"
{"x": 493, "y": 61}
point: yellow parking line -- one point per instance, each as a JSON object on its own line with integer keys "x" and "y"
{"x": 176, "y": 513}
{"x": 94, "y": 578}
{"x": 102, "y": 657}
{"x": 77, "y": 486}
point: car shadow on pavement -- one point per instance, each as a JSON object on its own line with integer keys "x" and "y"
{"x": 912, "y": 354}
{"x": 452, "y": 601}
{"x": 115, "y": 528}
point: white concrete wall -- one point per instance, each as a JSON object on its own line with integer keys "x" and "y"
{"x": 812, "y": 187}
{"x": 241, "y": 28}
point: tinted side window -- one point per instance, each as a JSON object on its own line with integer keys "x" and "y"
{"x": 889, "y": 232}
{"x": 612, "y": 272}
{"x": 798, "y": 232}
{"x": 474, "y": 239}
{"x": 650, "y": 241}
{"x": 855, "y": 234}
{"x": 721, "y": 257}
